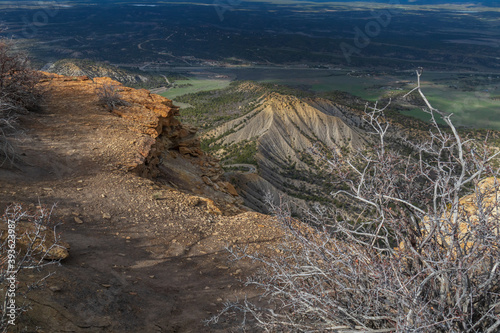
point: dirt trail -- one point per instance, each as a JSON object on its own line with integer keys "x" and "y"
{"x": 146, "y": 257}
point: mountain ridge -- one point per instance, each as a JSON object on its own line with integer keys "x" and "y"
{"x": 92, "y": 69}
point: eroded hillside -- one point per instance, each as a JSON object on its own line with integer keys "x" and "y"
{"x": 275, "y": 138}
{"x": 286, "y": 139}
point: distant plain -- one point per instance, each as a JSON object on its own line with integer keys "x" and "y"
{"x": 291, "y": 42}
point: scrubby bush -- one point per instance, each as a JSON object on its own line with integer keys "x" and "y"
{"x": 110, "y": 97}
{"x": 419, "y": 251}
{"x": 27, "y": 242}
{"x": 17, "y": 80}
{"x": 18, "y": 93}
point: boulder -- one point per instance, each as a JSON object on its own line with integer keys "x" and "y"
{"x": 38, "y": 238}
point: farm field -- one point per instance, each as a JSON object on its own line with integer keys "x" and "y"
{"x": 470, "y": 109}
{"x": 194, "y": 85}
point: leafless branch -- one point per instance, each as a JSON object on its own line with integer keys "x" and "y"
{"x": 18, "y": 93}
{"x": 110, "y": 97}
{"x": 37, "y": 246}
{"x": 422, "y": 253}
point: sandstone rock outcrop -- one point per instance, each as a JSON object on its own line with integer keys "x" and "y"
{"x": 39, "y": 239}
{"x": 477, "y": 213}
{"x": 137, "y": 242}
{"x": 160, "y": 146}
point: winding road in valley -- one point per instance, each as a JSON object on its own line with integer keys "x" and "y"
{"x": 251, "y": 168}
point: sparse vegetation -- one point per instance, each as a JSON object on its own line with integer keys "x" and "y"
{"x": 419, "y": 257}
{"x": 110, "y": 97}
{"x": 18, "y": 94}
{"x": 241, "y": 153}
{"x": 132, "y": 77}
{"x": 211, "y": 108}
{"x": 27, "y": 242}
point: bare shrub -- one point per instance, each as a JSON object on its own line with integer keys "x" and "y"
{"x": 18, "y": 93}
{"x": 8, "y": 122}
{"x": 17, "y": 80}
{"x": 37, "y": 244}
{"x": 110, "y": 97}
{"x": 415, "y": 254}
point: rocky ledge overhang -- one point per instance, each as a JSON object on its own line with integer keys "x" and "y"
{"x": 163, "y": 148}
